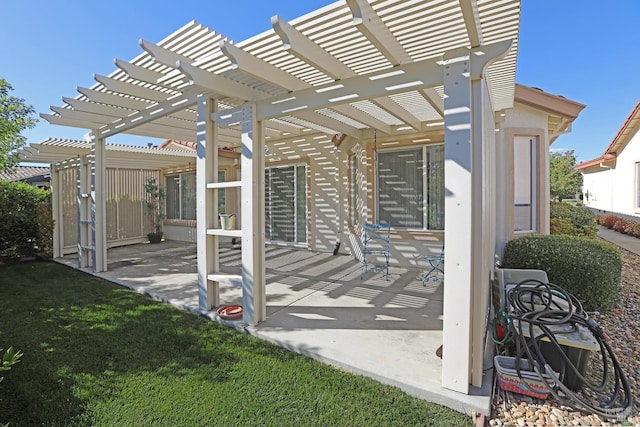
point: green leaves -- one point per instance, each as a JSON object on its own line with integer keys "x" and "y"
{"x": 15, "y": 117}
{"x": 565, "y": 181}
{"x": 26, "y": 224}
{"x": 9, "y": 358}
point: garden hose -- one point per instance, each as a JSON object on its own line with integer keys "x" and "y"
{"x": 535, "y": 308}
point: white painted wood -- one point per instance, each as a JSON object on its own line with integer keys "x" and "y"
{"x": 218, "y": 84}
{"x": 467, "y": 213}
{"x": 225, "y": 233}
{"x": 372, "y": 26}
{"x": 254, "y": 302}
{"x": 397, "y": 111}
{"x": 156, "y": 112}
{"x": 56, "y": 198}
{"x": 84, "y": 212}
{"x": 111, "y": 99}
{"x": 226, "y": 279}
{"x": 139, "y": 73}
{"x": 472, "y": 21}
{"x": 420, "y": 75}
{"x": 457, "y": 223}
{"x": 206, "y": 209}
{"x": 259, "y": 69}
{"x": 303, "y": 48}
{"x": 98, "y": 204}
{"x": 133, "y": 90}
{"x": 226, "y": 184}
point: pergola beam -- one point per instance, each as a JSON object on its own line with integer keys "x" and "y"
{"x": 472, "y": 21}
{"x": 140, "y": 73}
{"x": 133, "y": 90}
{"x": 218, "y": 84}
{"x": 364, "y": 118}
{"x": 419, "y": 75}
{"x": 374, "y": 29}
{"x": 150, "y": 114}
{"x": 303, "y": 48}
{"x": 260, "y": 69}
{"x": 398, "y": 111}
{"x": 315, "y": 118}
{"x": 111, "y": 99}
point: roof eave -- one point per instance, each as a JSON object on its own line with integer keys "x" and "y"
{"x": 545, "y": 101}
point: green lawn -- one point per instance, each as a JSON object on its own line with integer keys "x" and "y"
{"x": 98, "y": 354}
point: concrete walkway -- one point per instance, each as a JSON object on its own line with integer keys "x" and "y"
{"x": 318, "y": 305}
{"x": 630, "y": 243}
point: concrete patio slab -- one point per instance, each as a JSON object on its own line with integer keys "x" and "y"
{"x": 318, "y": 305}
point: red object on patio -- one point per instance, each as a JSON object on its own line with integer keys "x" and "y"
{"x": 230, "y": 312}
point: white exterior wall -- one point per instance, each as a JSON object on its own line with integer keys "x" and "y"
{"x": 614, "y": 189}
{"x": 598, "y": 185}
{"x": 520, "y": 120}
{"x": 320, "y": 155}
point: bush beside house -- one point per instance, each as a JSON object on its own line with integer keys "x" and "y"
{"x": 589, "y": 269}
{"x": 572, "y": 220}
{"x": 26, "y": 224}
{"x": 619, "y": 224}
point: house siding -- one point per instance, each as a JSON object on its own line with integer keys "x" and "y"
{"x": 612, "y": 186}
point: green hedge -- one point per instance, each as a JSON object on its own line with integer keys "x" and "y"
{"x": 572, "y": 220}
{"x": 26, "y": 224}
{"x": 589, "y": 269}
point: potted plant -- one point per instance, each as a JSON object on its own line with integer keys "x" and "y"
{"x": 154, "y": 203}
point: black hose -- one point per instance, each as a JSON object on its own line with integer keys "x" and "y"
{"x": 537, "y": 309}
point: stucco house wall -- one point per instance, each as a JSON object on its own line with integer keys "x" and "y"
{"x": 611, "y": 181}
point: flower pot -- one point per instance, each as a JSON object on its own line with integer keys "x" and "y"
{"x": 155, "y": 237}
{"x": 228, "y": 221}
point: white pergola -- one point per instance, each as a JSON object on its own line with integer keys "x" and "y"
{"x": 356, "y": 68}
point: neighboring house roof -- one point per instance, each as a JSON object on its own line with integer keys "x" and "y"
{"x": 26, "y": 173}
{"x": 562, "y": 111}
{"x": 622, "y": 138}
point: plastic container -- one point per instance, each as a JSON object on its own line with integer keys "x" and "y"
{"x": 530, "y": 384}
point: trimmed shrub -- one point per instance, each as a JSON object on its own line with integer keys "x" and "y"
{"x": 610, "y": 220}
{"x": 620, "y": 225}
{"x": 572, "y": 220}
{"x": 26, "y": 224}
{"x": 589, "y": 269}
{"x": 633, "y": 229}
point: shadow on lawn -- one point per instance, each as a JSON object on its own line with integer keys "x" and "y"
{"x": 82, "y": 336}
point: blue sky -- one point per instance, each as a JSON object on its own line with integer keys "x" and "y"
{"x": 584, "y": 50}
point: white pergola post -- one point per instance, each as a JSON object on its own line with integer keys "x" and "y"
{"x": 254, "y": 300}
{"x": 98, "y": 204}
{"x": 457, "y": 223}
{"x": 207, "y": 206}
{"x": 83, "y": 185}
{"x": 56, "y": 194}
{"x": 467, "y": 212}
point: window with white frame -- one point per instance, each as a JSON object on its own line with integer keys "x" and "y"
{"x": 524, "y": 183}
{"x": 286, "y": 203}
{"x": 411, "y": 187}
